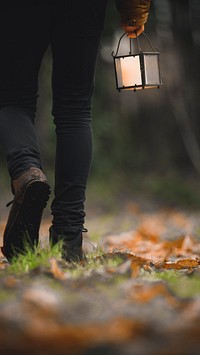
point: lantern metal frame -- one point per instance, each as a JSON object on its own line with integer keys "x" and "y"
{"x": 141, "y": 55}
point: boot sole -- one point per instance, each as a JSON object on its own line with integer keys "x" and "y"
{"x": 24, "y": 231}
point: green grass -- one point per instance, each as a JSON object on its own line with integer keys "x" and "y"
{"x": 181, "y": 284}
{"x": 40, "y": 258}
{"x": 33, "y": 258}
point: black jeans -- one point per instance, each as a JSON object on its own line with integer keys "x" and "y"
{"x": 73, "y": 29}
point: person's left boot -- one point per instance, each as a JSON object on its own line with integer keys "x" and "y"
{"x": 31, "y": 193}
{"x": 72, "y": 239}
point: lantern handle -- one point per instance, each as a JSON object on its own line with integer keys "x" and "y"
{"x": 138, "y": 43}
{"x": 118, "y": 45}
{"x": 148, "y": 39}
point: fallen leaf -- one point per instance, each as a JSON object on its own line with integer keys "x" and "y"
{"x": 182, "y": 264}
{"x": 147, "y": 292}
{"x": 56, "y": 271}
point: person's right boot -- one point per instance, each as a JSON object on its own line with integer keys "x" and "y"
{"x": 72, "y": 239}
{"x": 31, "y": 193}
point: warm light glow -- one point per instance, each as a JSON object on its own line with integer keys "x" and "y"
{"x": 140, "y": 71}
{"x": 128, "y": 69}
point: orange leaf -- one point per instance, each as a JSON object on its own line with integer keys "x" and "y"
{"x": 146, "y": 293}
{"x": 182, "y": 264}
{"x": 55, "y": 270}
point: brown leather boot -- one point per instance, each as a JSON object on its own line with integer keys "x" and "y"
{"x": 31, "y": 193}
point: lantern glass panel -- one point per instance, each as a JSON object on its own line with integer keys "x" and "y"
{"x": 151, "y": 65}
{"x": 128, "y": 71}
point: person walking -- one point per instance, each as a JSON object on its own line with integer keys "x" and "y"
{"x": 73, "y": 29}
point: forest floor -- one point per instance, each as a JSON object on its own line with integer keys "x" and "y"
{"x": 137, "y": 293}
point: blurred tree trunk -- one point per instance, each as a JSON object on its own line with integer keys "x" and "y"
{"x": 173, "y": 26}
{"x": 194, "y": 7}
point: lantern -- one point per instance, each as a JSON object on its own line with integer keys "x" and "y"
{"x": 137, "y": 70}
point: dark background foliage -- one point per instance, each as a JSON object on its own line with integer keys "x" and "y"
{"x": 150, "y": 132}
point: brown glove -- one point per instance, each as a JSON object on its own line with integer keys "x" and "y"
{"x": 134, "y": 13}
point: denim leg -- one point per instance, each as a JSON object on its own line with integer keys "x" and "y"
{"x": 24, "y": 36}
{"x": 75, "y": 42}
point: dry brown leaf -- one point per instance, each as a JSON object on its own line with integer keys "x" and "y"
{"x": 146, "y": 293}
{"x": 178, "y": 265}
{"x": 171, "y": 245}
{"x": 3, "y": 263}
{"x": 138, "y": 263}
{"x": 77, "y": 337}
{"x": 145, "y": 234}
{"x": 11, "y": 282}
{"x": 179, "y": 219}
{"x": 55, "y": 270}
{"x": 182, "y": 264}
